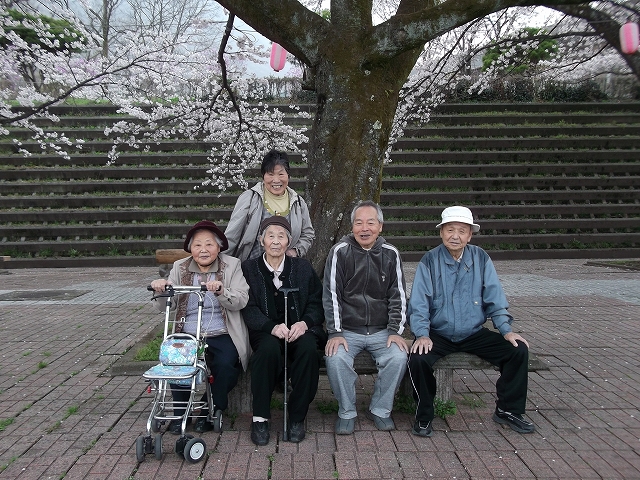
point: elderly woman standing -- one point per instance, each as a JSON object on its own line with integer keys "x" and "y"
{"x": 225, "y": 332}
{"x": 265, "y": 317}
{"x": 270, "y": 197}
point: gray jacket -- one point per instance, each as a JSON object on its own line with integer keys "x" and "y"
{"x": 242, "y": 230}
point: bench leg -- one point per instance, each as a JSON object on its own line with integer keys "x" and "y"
{"x": 444, "y": 382}
{"x": 406, "y": 387}
{"x": 240, "y": 400}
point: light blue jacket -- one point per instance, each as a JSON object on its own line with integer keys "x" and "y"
{"x": 454, "y": 299}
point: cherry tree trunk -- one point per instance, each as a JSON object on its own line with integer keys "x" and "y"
{"x": 347, "y": 147}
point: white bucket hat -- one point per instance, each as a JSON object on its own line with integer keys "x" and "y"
{"x": 458, "y": 214}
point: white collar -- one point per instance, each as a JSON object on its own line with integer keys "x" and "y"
{"x": 278, "y": 270}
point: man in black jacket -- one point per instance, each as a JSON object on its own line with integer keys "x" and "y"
{"x": 365, "y": 307}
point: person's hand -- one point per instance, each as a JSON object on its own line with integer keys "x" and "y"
{"x": 399, "y": 341}
{"x": 422, "y": 345}
{"x": 292, "y": 252}
{"x": 280, "y": 331}
{"x": 159, "y": 285}
{"x": 511, "y": 337}
{"x": 215, "y": 286}
{"x": 296, "y": 331}
{"x": 333, "y": 344}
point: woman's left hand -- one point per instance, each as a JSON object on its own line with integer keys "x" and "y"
{"x": 297, "y": 330}
{"x": 215, "y": 286}
{"x": 292, "y": 252}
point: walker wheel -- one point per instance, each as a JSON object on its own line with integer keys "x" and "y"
{"x": 157, "y": 447}
{"x": 217, "y": 421}
{"x": 140, "y": 448}
{"x": 181, "y": 443}
{"x": 195, "y": 450}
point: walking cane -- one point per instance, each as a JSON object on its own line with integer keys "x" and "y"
{"x": 285, "y": 291}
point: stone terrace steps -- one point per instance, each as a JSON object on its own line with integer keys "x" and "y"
{"x": 136, "y": 184}
{"x": 423, "y": 158}
{"x": 545, "y": 181}
{"x": 117, "y": 172}
{"x": 469, "y": 144}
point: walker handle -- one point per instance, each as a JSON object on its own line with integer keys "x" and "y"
{"x": 181, "y": 288}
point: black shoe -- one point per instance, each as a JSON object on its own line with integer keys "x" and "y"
{"x": 175, "y": 427}
{"x": 280, "y": 387}
{"x": 260, "y": 433}
{"x": 202, "y": 425}
{"x": 422, "y": 429}
{"x": 296, "y": 432}
{"x": 514, "y": 420}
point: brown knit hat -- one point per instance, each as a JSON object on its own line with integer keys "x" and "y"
{"x": 275, "y": 220}
{"x": 206, "y": 225}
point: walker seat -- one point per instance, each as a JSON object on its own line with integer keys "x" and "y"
{"x": 178, "y": 360}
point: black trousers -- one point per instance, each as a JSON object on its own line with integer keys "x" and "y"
{"x": 267, "y": 363}
{"x": 513, "y": 362}
{"x": 223, "y": 361}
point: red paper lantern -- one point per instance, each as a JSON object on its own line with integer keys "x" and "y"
{"x": 629, "y": 38}
{"x": 278, "y": 57}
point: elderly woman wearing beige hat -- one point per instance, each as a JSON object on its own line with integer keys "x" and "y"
{"x": 226, "y": 334}
{"x": 272, "y": 276}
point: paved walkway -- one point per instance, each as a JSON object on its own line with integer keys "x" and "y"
{"x": 63, "y": 416}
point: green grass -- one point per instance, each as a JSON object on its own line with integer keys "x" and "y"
{"x": 473, "y": 401}
{"x": 4, "y": 466}
{"x": 444, "y": 409}
{"x": 330, "y": 406}
{"x": 149, "y": 351}
{"x": 404, "y": 403}
{"x": 54, "y": 427}
{"x": 5, "y": 423}
{"x": 71, "y": 411}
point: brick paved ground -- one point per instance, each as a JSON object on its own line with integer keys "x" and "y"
{"x": 62, "y": 416}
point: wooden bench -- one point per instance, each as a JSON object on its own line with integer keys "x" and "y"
{"x": 165, "y": 258}
{"x": 240, "y": 397}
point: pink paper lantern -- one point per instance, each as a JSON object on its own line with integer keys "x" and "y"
{"x": 629, "y": 38}
{"x": 278, "y": 57}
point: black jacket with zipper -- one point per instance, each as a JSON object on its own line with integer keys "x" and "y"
{"x": 364, "y": 290}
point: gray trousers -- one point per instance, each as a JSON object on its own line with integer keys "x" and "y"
{"x": 391, "y": 362}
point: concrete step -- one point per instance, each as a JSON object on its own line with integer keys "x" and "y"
{"x": 117, "y": 172}
{"x": 20, "y": 232}
{"x": 190, "y": 159}
{"x": 188, "y": 216}
{"x": 205, "y": 201}
{"x": 450, "y": 144}
{"x": 388, "y": 184}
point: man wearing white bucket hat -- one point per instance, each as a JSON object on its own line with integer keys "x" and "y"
{"x": 456, "y": 288}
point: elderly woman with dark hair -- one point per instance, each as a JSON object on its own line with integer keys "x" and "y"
{"x": 271, "y": 196}
{"x": 264, "y": 314}
{"x": 226, "y": 334}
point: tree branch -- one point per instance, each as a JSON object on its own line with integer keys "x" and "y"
{"x": 404, "y": 32}
{"x": 287, "y": 22}
{"x": 223, "y": 68}
{"x": 604, "y": 25}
